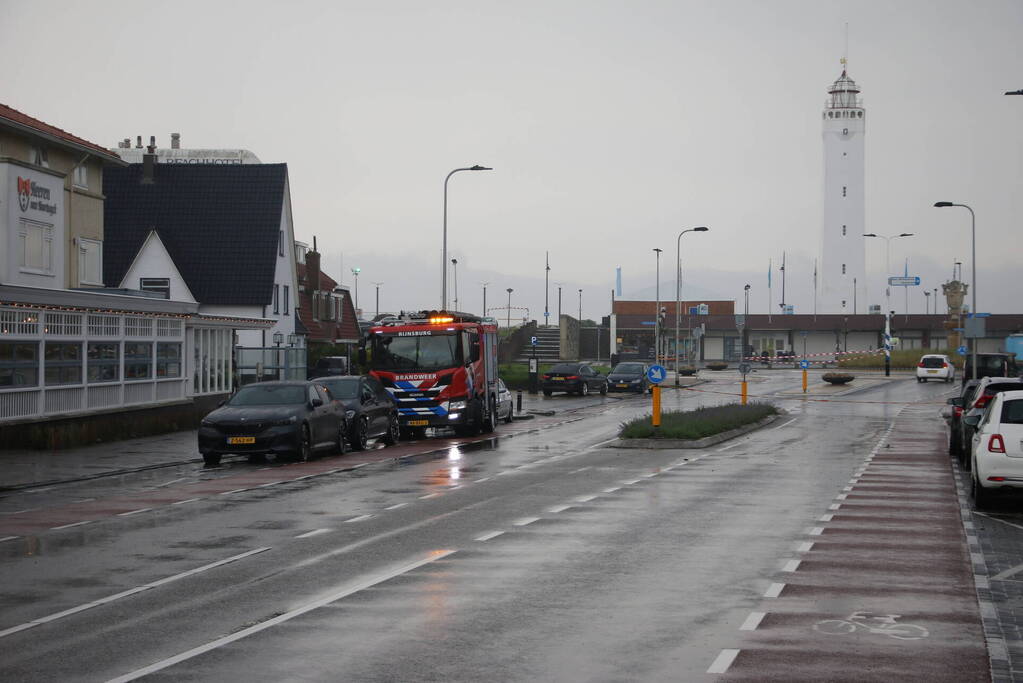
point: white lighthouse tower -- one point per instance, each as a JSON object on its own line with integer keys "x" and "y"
{"x": 842, "y": 269}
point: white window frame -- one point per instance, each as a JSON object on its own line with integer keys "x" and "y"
{"x": 81, "y": 176}
{"x": 27, "y": 228}
{"x": 277, "y": 299}
{"x": 86, "y": 247}
{"x": 155, "y": 284}
{"x": 286, "y": 300}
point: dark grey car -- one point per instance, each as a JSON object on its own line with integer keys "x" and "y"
{"x": 370, "y": 412}
{"x": 573, "y": 378}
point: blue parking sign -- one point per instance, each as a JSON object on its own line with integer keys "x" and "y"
{"x": 532, "y": 340}
{"x": 656, "y": 374}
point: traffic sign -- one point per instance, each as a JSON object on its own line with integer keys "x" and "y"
{"x": 532, "y": 340}
{"x": 978, "y": 315}
{"x": 656, "y": 374}
{"x": 740, "y": 320}
{"x": 962, "y": 350}
{"x": 744, "y": 368}
{"x": 901, "y": 281}
{"x": 804, "y": 364}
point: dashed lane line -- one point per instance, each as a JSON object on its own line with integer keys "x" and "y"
{"x": 752, "y": 621}
{"x": 723, "y": 661}
{"x": 69, "y": 526}
{"x": 791, "y": 566}
{"x": 133, "y": 512}
{"x": 360, "y": 518}
{"x": 189, "y": 500}
{"x": 774, "y": 590}
{"x": 558, "y": 508}
{"x": 396, "y": 506}
{"x": 314, "y": 532}
{"x": 782, "y": 426}
{"x": 123, "y": 594}
{"x": 287, "y": 616}
{"x": 526, "y": 520}
{"x": 487, "y": 537}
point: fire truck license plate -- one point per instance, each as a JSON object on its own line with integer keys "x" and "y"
{"x": 418, "y": 423}
{"x": 235, "y": 440}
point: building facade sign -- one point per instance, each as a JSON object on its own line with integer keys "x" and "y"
{"x": 32, "y": 231}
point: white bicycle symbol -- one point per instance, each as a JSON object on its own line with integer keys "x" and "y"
{"x": 882, "y": 624}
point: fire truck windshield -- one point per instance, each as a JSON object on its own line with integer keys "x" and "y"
{"x": 433, "y": 352}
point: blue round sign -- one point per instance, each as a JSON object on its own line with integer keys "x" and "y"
{"x": 962, "y": 350}
{"x": 805, "y": 364}
{"x": 656, "y": 374}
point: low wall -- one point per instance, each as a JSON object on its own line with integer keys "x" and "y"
{"x": 125, "y": 423}
{"x": 569, "y": 327}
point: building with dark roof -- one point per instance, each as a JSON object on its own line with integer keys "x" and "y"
{"x": 217, "y": 235}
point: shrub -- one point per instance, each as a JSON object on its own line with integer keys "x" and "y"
{"x": 717, "y": 365}
{"x": 837, "y": 377}
{"x": 696, "y": 424}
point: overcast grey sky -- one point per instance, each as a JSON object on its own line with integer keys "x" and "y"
{"x": 611, "y": 126}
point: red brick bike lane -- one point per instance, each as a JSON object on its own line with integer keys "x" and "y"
{"x": 882, "y": 586}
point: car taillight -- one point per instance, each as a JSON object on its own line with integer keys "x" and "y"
{"x": 572, "y": 377}
{"x": 546, "y": 376}
{"x": 958, "y": 411}
{"x": 995, "y": 444}
{"x": 982, "y": 401}
{"x": 944, "y": 364}
{"x": 920, "y": 364}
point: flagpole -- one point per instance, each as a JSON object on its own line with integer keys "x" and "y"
{"x": 770, "y": 294}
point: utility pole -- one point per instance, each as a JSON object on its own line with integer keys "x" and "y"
{"x": 546, "y": 291}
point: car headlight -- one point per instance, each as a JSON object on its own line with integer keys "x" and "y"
{"x": 456, "y": 405}
{"x": 285, "y": 421}
{"x": 349, "y": 414}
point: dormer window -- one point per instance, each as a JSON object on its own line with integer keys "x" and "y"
{"x": 39, "y": 157}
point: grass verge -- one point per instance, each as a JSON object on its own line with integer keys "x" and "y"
{"x": 516, "y": 375}
{"x": 696, "y": 424}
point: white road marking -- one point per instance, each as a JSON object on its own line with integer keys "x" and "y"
{"x": 841, "y": 496}
{"x": 168, "y": 483}
{"x": 228, "y": 493}
{"x": 780, "y": 427}
{"x": 834, "y": 506}
{"x": 525, "y": 521}
{"x": 8, "y": 538}
{"x": 272, "y": 483}
{"x": 805, "y": 547}
{"x": 998, "y": 520}
{"x": 396, "y": 506}
{"x": 133, "y": 512}
{"x": 314, "y": 532}
{"x": 360, "y": 518}
{"x": 725, "y": 448}
{"x": 584, "y": 499}
{"x": 429, "y": 495}
{"x": 487, "y": 537}
{"x": 601, "y": 443}
{"x": 613, "y": 489}
{"x": 287, "y": 616}
{"x": 816, "y": 531}
{"x": 723, "y": 661}
{"x": 68, "y": 526}
{"x": 558, "y": 508}
{"x": 581, "y": 469}
{"x": 825, "y": 518}
{"x": 630, "y": 482}
{"x": 848, "y": 489}
{"x": 480, "y": 481}
{"x": 182, "y": 502}
{"x": 752, "y": 621}
{"x": 774, "y": 590}
{"x": 791, "y": 566}
{"x": 123, "y": 594}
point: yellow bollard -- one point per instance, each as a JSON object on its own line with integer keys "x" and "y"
{"x": 656, "y": 417}
{"x": 804, "y": 381}
{"x": 744, "y": 393}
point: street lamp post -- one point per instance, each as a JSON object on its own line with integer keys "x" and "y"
{"x": 887, "y": 297}
{"x": 745, "y": 327}
{"x": 657, "y": 307}
{"x": 454, "y": 275}
{"x": 508, "y": 322}
{"x": 927, "y": 302}
{"x": 444, "y": 251}
{"x": 546, "y": 291}
{"x": 678, "y": 289}
{"x": 484, "y": 298}
{"x": 580, "y": 307}
{"x": 973, "y": 272}
{"x": 377, "y": 285}
{"x": 559, "y": 284}
{"x": 355, "y": 272}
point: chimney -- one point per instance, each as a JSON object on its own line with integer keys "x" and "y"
{"x": 312, "y": 268}
{"x": 175, "y": 140}
{"x": 149, "y": 161}
{"x": 138, "y": 142}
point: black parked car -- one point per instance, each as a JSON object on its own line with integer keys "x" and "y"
{"x": 279, "y": 418}
{"x": 991, "y": 365}
{"x": 955, "y": 419}
{"x": 328, "y": 366}
{"x": 370, "y": 412}
{"x": 573, "y": 378}
{"x": 628, "y": 376}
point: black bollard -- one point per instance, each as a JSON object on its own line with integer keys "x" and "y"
{"x": 518, "y": 402}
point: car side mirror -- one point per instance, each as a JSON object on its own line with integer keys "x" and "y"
{"x": 316, "y": 402}
{"x": 972, "y": 420}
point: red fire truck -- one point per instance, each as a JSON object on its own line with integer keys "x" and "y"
{"x": 441, "y": 369}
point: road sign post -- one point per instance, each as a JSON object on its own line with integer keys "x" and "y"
{"x": 656, "y": 374}
{"x": 534, "y": 370}
{"x": 744, "y": 368}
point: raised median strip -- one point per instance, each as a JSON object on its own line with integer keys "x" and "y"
{"x": 695, "y": 429}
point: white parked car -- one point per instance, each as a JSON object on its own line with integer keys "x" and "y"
{"x": 505, "y": 405}
{"x": 998, "y": 447}
{"x": 935, "y": 366}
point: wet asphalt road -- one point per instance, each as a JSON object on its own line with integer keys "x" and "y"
{"x": 542, "y": 556}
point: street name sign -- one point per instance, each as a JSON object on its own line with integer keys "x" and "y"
{"x": 902, "y": 281}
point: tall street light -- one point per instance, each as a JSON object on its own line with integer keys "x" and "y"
{"x": 745, "y": 327}
{"x": 546, "y": 292}
{"x": 580, "y": 307}
{"x": 444, "y": 251}
{"x": 484, "y": 284}
{"x": 377, "y": 285}
{"x": 657, "y": 308}
{"x": 927, "y": 302}
{"x": 678, "y": 288}
{"x": 558, "y": 285}
{"x": 973, "y": 271}
{"x": 454, "y": 273}
{"x": 355, "y": 272}
{"x": 508, "y": 322}
{"x": 887, "y": 297}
